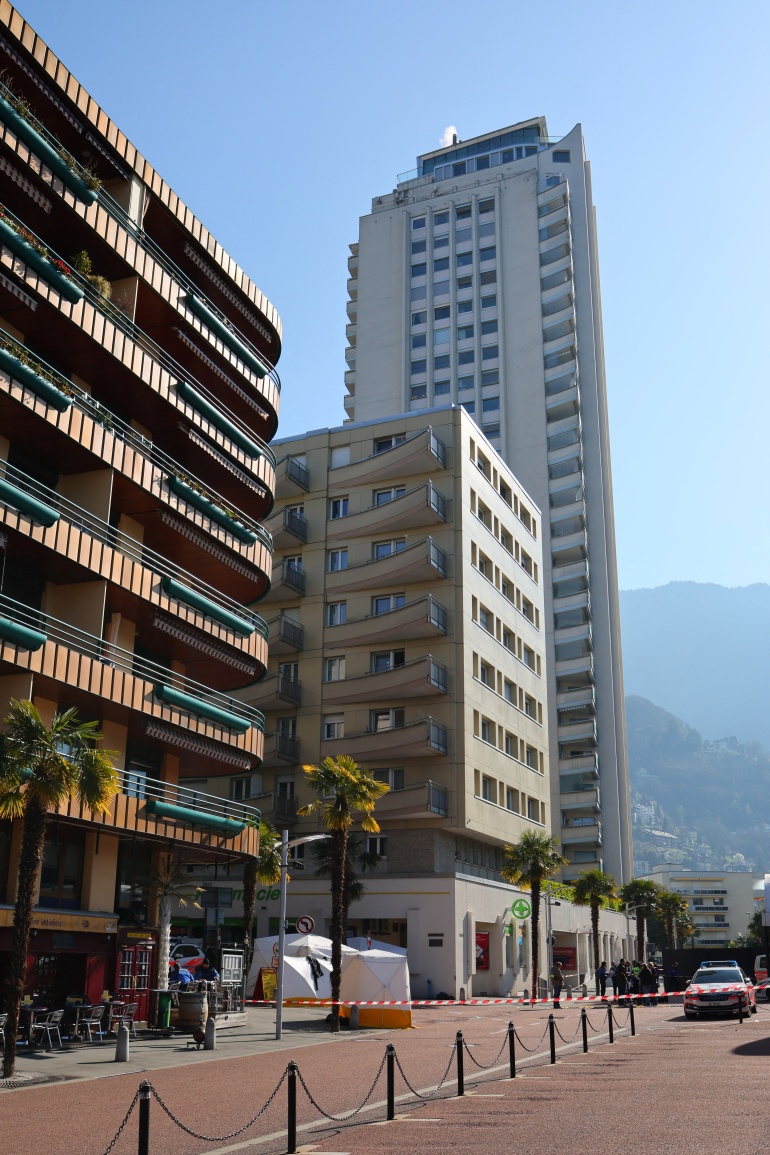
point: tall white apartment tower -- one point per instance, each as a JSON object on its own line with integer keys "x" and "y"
{"x": 476, "y": 282}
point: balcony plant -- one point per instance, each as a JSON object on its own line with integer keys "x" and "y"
{"x": 16, "y": 113}
{"x": 33, "y": 252}
{"x": 193, "y": 492}
{"x": 16, "y": 360}
{"x": 82, "y": 262}
{"x": 40, "y": 768}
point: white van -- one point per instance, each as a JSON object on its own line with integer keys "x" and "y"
{"x": 760, "y": 968}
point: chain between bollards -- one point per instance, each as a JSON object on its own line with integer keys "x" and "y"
{"x": 552, "y": 1038}
{"x": 460, "y": 1058}
{"x": 144, "y": 1119}
{"x": 512, "y": 1049}
{"x": 390, "y": 1071}
{"x": 291, "y": 1129}
{"x": 610, "y": 1022}
{"x": 584, "y": 1025}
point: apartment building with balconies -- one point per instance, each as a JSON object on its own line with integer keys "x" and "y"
{"x": 138, "y": 395}
{"x": 721, "y": 903}
{"x": 475, "y": 281}
{"x": 406, "y": 627}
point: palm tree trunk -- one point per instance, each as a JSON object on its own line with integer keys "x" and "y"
{"x": 33, "y": 839}
{"x": 595, "y": 932}
{"x": 249, "y": 906}
{"x": 339, "y": 853}
{"x": 164, "y": 939}
{"x": 536, "y": 938}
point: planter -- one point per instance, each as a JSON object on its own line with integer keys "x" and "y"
{"x": 204, "y": 709}
{"x": 212, "y": 511}
{"x": 63, "y": 285}
{"x": 22, "y": 636}
{"x": 217, "y": 418}
{"x": 227, "y": 336}
{"x": 45, "y": 151}
{"x": 40, "y": 385}
{"x": 183, "y": 593}
{"x": 26, "y": 503}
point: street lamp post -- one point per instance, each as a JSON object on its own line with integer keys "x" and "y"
{"x": 632, "y": 910}
{"x": 286, "y": 846}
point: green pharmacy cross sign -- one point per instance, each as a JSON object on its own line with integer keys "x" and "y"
{"x": 521, "y": 908}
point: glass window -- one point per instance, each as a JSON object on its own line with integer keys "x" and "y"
{"x": 488, "y": 254}
{"x": 490, "y": 404}
{"x": 489, "y": 302}
{"x": 441, "y": 242}
{"x": 337, "y": 559}
{"x": 440, "y": 388}
{"x": 463, "y": 235}
{"x": 487, "y": 206}
{"x": 420, "y": 293}
{"x": 463, "y": 212}
{"x": 466, "y": 282}
{"x": 485, "y": 230}
{"x": 465, "y": 306}
{"x": 419, "y": 367}
{"x": 334, "y": 726}
{"x": 419, "y": 246}
{"x": 420, "y": 269}
{"x": 489, "y": 277}
{"x": 466, "y": 383}
{"x": 441, "y": 265}
{"x": 466, "y": 357}
{"x": 385, "y": 719}
{"x": 294, "y": 563}
{"x": 490, "y": 377}
{"x": 440, "y": 289}
{"x": 336, "y": 613}
{"x": 510, "y": 803}
{"x": 338, "y": 507}
{"x": 469, "y": 407}
{"x": 382, "y": 444}
{"x": 489, "y": 352}
{"x": 419, "y": 341}
{"x": 334, "y": 670}
{"x": 440, "y": 219}
{"x": 418, "y": 222}
{"x": 461, "y": 258}
{"x": 382, "y": 549}
{"x": 482, "y": 162}
{"x": 441, "y": 362}
{"x": 442, "y": 336}
{"x": 388, "y": 602}
{"x": 486, "y": 327}
{"x": 383, "y": 660}
{"x": 383, "y": 496}
{"x": 418, "y": 392}
{"x": 486, "y": 783}
{"x": 441, "y": 313}
{"x": 486, "y": 620}
{"x": 420, "y": 318}
{"x": 464, "y": 332}
{"x": 561, "y": 156}
{"x": 377, "y": 844}
{"x": 492, "y": 432}
{"x": 393, "y": 778}
{"x": 458, "y": 168}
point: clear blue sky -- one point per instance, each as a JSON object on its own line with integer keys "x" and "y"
{"x": 278, "y": 122}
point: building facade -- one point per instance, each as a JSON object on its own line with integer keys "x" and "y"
{"x": 137, "y": 400}
{"x": 721, "y": 902}
{"x": 476, "y": 282}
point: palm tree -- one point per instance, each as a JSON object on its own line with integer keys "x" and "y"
{"x": 168, "y": 887}
{"x": 642, "y": 894}
{"x": 356, "y": 859}
{"x": 529, "y": 863}
{"x": 670, "y": 909}
{"x": 344, "y": 789}
{"x": 265, "y": 868}
{"x": 41, "y": 768}
{"x": 592, "y": 888}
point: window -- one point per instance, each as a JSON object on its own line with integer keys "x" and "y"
{"x": 463, "y": 212}
{"x": 531, "y": 757}
{"x": 336, "y": 613}
{"x": 490, "y": 377}
{"x": 486, "y": 328}
{"x": 243, "y": 788}
{"x": 509, "y": 640}
{"x": 392, "y": 777}
{"x": 488, "y": 254}
{"x": 510, "y": 745}
{"x": 490, "y": 405}
{"x": 419, "y": 367}
{"x": 487, "y": 206}
{"x": 486, "y": 620}
{"x": 440, "y": 219}
{"x": 382, "y": 444}
{"x": 441, "y": 362}
{"x": 533, "y": 810}
{"x": 334, "y": 670}
{"x": 482, "y": 162}
{"x": 382, "y": 660}
{"x": 419, "y": 341}
{"x": 336, "y": 559}
{"x": 294, "y": 563}
{"x": 441, "y": 313}
{"x": 465, "y": 383}
{"x": 442, "y": 336}
{"x": 465, "y": 283}
{"x": 289, "y": 670}
{"x": 469, "y": 407}
{"x": 383, "y": 496}
{"x": 334, "y": 726}
{"x": 561, "y": 156}
{"x": 510, "y": 799}
{"x": 489, "y": 277}
{"x": 487, "y": 787}
{"x": 418, "y": 246}
{"x": 492, "y": 431}
{"x": 418, "y": 392}
{"x": 462, "y": 259}
{"x": 489, "y": 302}
{"x": 463, "y": 235}
{"x": 440, "y": 289}
{"x": 385, "y": 719}
{"x": 418, "y": 223}
{"x": 382, "y": 549}
{"x": 377, "y": 844}
{"x": 490, "y": 353}
{"x": 61, "y": 872}
{"x": 465, "y": 306}
{"x": 529, "y": 657}
{"x": 420, "y": 318}
{"x": 441, "y": 242}
{"x": 465, "y": 332}
{"x": 441, "y": 264}
{"x": 530, "y": 706}
{"x": 487, "y": 230}
{"x": 385, "y": 603}
{"x": 440, "y": 388}
{"x": 509, "y": 691}
{"x": 484, "y": 515}
{"x": 466, "y": 357}
{"x": 486, "y": 674}
{"x": 487, "y": 731}
{"x": 419, "y": 293}
{"x": 419, "y": 270}
{"x": 338, "y": 507}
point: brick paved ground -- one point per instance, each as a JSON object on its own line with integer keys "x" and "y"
{"x": 677, "y": 1087}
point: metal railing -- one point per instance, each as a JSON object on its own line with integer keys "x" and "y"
{"x": 298, "y": 473}
{"x": 129, "y": 436}
{"x": 292, "y": 577}
{"x": 116, "y": 657}
{"x": 134, "y": 783}
{"x": 288, "y": 688}
{"x": 286, "y": 746}
{"x": 290, "y": 631}
{"x": 102, "y": 531}
{"x": 295, "y": 523}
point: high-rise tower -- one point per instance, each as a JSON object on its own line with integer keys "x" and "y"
{"x": 476, "y": 281}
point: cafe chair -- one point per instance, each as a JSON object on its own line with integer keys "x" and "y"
{"x": 92, "y": 1021}
{"x": 125, "y": 1018}
{"x": 48, "y": 1026}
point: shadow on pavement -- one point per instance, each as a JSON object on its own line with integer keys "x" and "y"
{"x": 755, "y": 1047}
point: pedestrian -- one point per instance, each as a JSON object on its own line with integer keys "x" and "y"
{"x": 673, "y": 978}
{"x": 558, "y": 983}
{"x": 621, "y": 983}
{"x": 645, "y": 981}
{"x": 601, "y": 979}
{"x": 614, "y": 979}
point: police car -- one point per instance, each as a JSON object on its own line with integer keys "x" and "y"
{"x": 719, "y": 987}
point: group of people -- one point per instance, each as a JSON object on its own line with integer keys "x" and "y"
{"x": 630, "y": 978}
{"x": 182, "y": 977}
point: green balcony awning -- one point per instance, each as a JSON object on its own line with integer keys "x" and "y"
{"x": 192, "y": 598}
{"x": 194, "y": 817}
{"x": 226, "y": 336}
{"x": 26, "y": 503}
{"x": 200, "y": 706}
{"x": 22, "y": 636}
{"x": 218, "y": 418}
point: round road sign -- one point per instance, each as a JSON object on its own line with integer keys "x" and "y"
{"x": 521, "y": 908}
{"x": 305, "y": 924}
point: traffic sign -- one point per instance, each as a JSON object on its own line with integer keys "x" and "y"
{"x": 305, "y": 924}
{"x": 521, "y": 908}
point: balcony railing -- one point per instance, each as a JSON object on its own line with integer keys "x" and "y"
{"x": 290, "y": 689}
{"x": 137, "y": 442}
{"x": 287, "y": 747}
{"x": 298, "y": 473}
{"x": 169, "y": 687}
{"x": 291, "y": 632}
{"x": 231, "y": 613}
{"x": 135, "y": 784}
{"x": 295, "y": 523}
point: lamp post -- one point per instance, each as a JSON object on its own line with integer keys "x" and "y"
{"x": 286, "y": 846}
{"x": 549, "y": 929}
{"x": 632, "y": 910}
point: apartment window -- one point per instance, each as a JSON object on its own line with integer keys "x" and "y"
{"x": 465, "y": 332}
{"x": 420, "y": 318}
{"x": 440, "y": 289}
{"x": 509, "y": 691}
{"x": 334, "y": 670}
{"x": 441, "y": 362}
{"x": 442, "y": 313}
{"x": 490, "y": 353}
{"x": 489, "y": 302}
{"x": 289, "y": 670}
{"x": 465, "y": 383}
{"x": 484, "y": 516}
{"x": 465, "y": 306}
{"x": 561, "y": 156}
{"x": 533, "y": 810}
{"x": 382, "y": 444}
{"x": 419, "y": 367}
{"x": 334, "y": 726}
{"x": 487, "y": 787}
{"x": 487, "y": 206}
{"x": 441, "y": 242}
{"x": 485, "y": 567}
{"x": 383, "y": 660}
{"x": 294, "y": 563}
{"x": 338, "y": 507}
{"x": 529, "y": 657}
{"x": 487, "y": 327}
{"x": 486, "y": 620}
{"x": 531, "y": 757}
{"x": 377, "y": 844}
{"x": 467, "y": 357}
{"x": 440, "y": 219}
{"x": 419, "y": 293}
{"x": 490, "y": 405}
{"x": 487, "y": 731}
{"x": 419, "y": 270}
{"x": 553, "y": 279}
{"x": 418, "y": 222}
{"x": 442, "y": 336}
{"x": 510, "y": 798}
{"x": 469, "y": 407}
{"x": 490, "y": 377}
{"x": 383, "y": 496}
{"x": 463, "y": 212}
{"x": 418, "y": 246}
{"x": 510, "y": 745}
{"x": 508, "y": 640}
{"x": 463, "y": 235}
{"x": 462, "y": 259}
{"x": 488, "y": 254}
{"x": 386, "y": 603}
{"x": 441, "y": 265}
{"x": 487, "y": 230}
{"x": 394, "y": 778}
{"x": 418, "y": 392}
{"x": 385, "y": 719}
{"x": 336, "y": 559}
{"x": 488, "y": 277}
{"x": 440, "y": 388}
{"x": 419, "y": 341}
{"x": 486, "y": 674}
{"x": 336, "y": 613}
{"x": 382, "y": 549}
{"x": 465, "y": 282}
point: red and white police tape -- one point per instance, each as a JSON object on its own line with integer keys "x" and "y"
{"x": 485, "y": 1002}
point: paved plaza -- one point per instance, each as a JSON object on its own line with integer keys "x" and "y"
{"x": 677, "y": 1086}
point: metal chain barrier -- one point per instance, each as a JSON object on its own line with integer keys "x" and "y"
{"x": 622, "y": 1026}
{"x": 561, "y": 1036}
{"x": 486, "y": 1066}
{"x": 438, "y": 1088}
{"x": 350, "y": 1114}
{"x": 217, "y": 1138}
{"x": 596, "y": 1030}
{"x": 128, "y": 1115}
{"x": 537, "y": 1044}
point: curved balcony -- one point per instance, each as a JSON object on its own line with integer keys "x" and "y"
{"x": 418, "y": 800}
{"x": 287, "y": 528}
{"x": 36, "y": 136}
{"x": 289, "y": 583}
{"x": 292, "y": 478}
{"x": 123, "y": 681}
{"x": 423, "y": 618}
{"x": 280, "y": 749}
{"x": 423, "y": 505}
{"x": 286, "y": 635}
{"x": 425, "y": 738}
{"x": 421, "y": 678}
{"x": 425, "y": 561}
{"x": 424, "y": 452}
{"x": 277, "y": 692}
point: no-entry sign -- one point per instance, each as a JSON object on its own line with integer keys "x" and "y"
{"x": 305, "y": 924}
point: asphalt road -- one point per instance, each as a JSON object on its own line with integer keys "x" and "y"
{"x": 678, "y": 1086}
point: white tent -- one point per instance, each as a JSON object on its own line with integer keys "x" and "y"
{"x": 360, "y": 943}
{"x": 296, "y": 946}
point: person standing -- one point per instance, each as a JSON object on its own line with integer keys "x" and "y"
{"x": 621, "y": 983}
{"x": 558, "y": 983}
{"x": 614, "y": 979}
{"x": 601, "y": 980}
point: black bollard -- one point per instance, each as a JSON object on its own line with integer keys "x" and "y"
{"x": 291, "y": 1136}
{"x": 610, "y": 1022}
{"x": 390, "y": 1071}
{"x": 631, "y": 1017}
{"x": 460, "y": 1071}
{"x": 552, "y": 1038}
{"x": 584, "y": 1025}
{"x": 512, "y": 1049}
{"x": 144, "y": 1119}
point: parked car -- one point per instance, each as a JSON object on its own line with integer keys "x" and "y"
{"x": 716, "y": 989}
{"x": 187, "y": 954}
{"x": 762, "y": 991}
